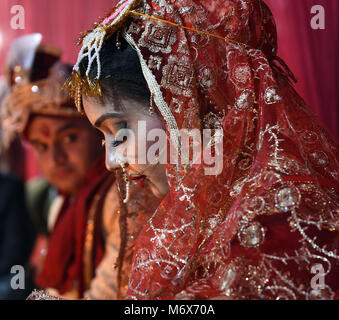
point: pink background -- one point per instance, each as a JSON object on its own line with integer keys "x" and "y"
{"x": 311, "y": 54}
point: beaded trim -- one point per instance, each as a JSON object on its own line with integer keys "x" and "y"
{"x": 92, "y": 42}
{"x": 158, "y": 98}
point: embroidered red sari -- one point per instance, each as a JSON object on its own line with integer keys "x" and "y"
{"x": 267, "y": 226}
{"x": 261, "y": 228}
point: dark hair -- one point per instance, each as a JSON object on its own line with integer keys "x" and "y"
{"x": 120, "y": 71}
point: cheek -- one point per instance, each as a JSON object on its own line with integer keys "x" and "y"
{"x": 110, "y": 158}
{"x": 80, "y": 162}
{"x": 78, "y": 152}
{"x": 46, "y": 164}
{"x": 145, "y": 127}
{"x": 155, "y": 123}
{"x": 137, "y": 145}
{"x": 76, "y": 157}
{"x": 85, "y": 151}
{"x": 155, "y": 135}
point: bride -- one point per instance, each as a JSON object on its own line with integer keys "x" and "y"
{"x": 266, "y": 225}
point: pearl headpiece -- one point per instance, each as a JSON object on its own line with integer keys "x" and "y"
{"x": 92, "y": 42}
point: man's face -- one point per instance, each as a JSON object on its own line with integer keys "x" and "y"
{"x": 66, "y": 148}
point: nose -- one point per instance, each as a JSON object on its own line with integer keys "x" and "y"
{"x": 58, "y": 153}
{"x": 112, "y": 162}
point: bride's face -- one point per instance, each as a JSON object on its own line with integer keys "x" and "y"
{"x": 125, "y": 123}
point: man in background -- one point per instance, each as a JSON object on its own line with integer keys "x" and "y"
{"x": 71, "y": 158}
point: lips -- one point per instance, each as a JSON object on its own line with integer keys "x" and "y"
{"x": 62, "y": 172}
{"x": 140, "y": 180}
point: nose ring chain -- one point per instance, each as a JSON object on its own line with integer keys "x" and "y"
{"x": 127, "y": 182}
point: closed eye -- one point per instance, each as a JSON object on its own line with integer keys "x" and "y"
{"x": 121, "y": 135}
{"x": 117, "y": 142}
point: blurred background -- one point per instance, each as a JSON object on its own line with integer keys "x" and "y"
{"x": 311, "y": 54}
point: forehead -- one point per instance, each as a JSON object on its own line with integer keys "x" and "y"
{"x": 47, "y": 126}
{"x": 94, "y": 108}
{"x": 119, "y": 105}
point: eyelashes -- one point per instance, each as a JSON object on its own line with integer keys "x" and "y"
{"x": 117, "y": 141}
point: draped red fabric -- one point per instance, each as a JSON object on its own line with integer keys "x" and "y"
{"x": 257, "y": 229}
{"x": 311, "y": 54}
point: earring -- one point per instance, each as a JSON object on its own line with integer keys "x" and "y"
{"x": 117, "y": 41}
{"x": 151, "y": 109}
{"x": 77, "y": 99}
{"x": 127, "y": 183}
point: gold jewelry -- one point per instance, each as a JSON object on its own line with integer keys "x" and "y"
{"x": 117, "y": 41}
{"x": 151, "y": 109}
{"x": 127, "y": 183}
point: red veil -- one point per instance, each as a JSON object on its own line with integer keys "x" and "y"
{"x": 267, "y": 226}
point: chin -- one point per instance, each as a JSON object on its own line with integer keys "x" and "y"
{"x": 67, "y": 189}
